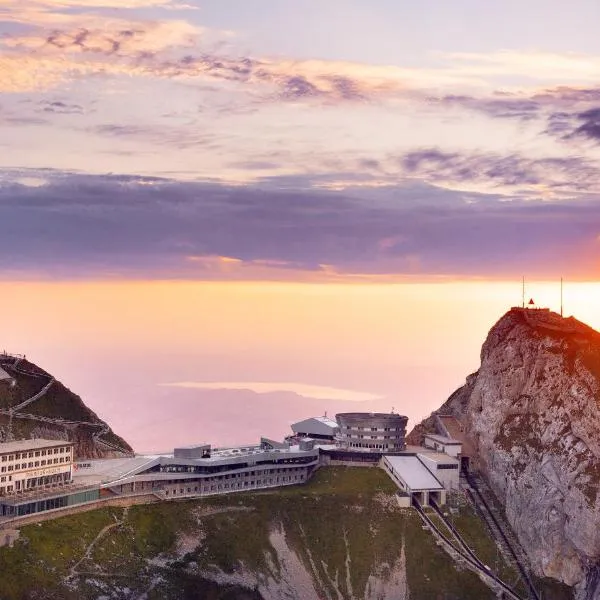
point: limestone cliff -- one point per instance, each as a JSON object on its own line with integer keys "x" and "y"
{"x": 34, "y": 404}
{"x": 532, "y": 416}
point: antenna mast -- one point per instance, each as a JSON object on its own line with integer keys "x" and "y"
{"x": 523, "y": 292}
{"x": 561, "y": 296}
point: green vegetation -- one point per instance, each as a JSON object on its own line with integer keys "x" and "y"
{"x": 60, "y": 402}
{"x": 344, "y": 526}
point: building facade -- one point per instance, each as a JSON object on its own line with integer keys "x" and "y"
{"x": 35, "y": 464}
{"x": 441, "y": 443}
{"x": 218, "y": 471}
{"x": 381, "y": 432}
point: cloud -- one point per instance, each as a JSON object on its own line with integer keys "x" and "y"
{"x": 590, "y": 125}
{"x": 81, "y": 226}
{"x": 318, "y": 392}
{"x": 159, "y": 135}
{"x": 494, "y": 107}
{"x": 535, "y": 65}
{"x": 61, "y": 108}
{"x": 571, "y": 173}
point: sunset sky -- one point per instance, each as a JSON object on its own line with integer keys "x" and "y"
{"x": 332, "y": 198}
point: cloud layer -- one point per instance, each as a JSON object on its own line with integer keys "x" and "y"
{"x": 66, "y": 225}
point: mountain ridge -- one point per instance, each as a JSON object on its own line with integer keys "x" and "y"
{"x": 34, "y": 404}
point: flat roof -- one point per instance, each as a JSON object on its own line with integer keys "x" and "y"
{"x": 414, "y": 473}
{"x": 443, "y": 439}
{"x": 21, "y": 445}
{"x": 438, "y": 457}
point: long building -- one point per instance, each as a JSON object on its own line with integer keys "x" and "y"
{"x": 200, "y": 471}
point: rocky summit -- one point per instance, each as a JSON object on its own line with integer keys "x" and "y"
{"x": 531, "y": 416}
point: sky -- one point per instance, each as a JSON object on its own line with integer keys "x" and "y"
{"x": 260, "y": 197}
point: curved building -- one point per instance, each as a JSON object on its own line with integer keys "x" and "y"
{"x": 383, "y": 432}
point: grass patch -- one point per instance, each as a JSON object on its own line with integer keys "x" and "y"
{"x": 43, "y": 555}
{"x": 344, "y": 526}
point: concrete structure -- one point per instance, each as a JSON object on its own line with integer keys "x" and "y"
{"x": 441, "y": 443}
{"x": 318, "y": 428}
{"x": 226, "y": 470}
{"x": 414, "y": 478}
{"x": 197, "y": 451}
{"x": 381, "y": 432}
{"x": 445, "y": 468}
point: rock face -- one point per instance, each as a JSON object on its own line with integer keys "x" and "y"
{"x": 532, "y": 415}
{"x": 34, "y": 405}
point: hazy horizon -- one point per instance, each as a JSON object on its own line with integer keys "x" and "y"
{"x": 157, "y": 360}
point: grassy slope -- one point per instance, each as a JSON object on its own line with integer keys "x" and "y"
{"x": 315, "y": 517}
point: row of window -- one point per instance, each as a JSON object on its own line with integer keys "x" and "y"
{"x": 35, "y": 453}
{"x": 359, "y": 428}
{"x": 33, "y": 464}
{"x": 236, "y": 486}
{"x": 375, "y": 446}
{"x": 361, "y": 436}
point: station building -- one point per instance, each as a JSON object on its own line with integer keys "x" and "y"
{"x": 381, "y": 432}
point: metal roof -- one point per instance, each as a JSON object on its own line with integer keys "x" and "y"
{"x": 413, "y": 472}
{"x": 4, "y": 375}
{"x": 326, "y": 421}
{"x": 316, "y": 426}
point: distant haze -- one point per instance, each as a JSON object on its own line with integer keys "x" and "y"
{"x": 405, "y": 346}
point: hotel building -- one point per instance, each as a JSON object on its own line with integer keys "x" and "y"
{"x": 379, "y": 432}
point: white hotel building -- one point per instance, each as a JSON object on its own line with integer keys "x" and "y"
{"x": 29, "y": 464}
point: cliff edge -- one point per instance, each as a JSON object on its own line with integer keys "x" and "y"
{"x": 532, "y": 416}
{"x": 35, "y": 405}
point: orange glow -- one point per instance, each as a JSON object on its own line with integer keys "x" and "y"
{"x": 409, "y": 344}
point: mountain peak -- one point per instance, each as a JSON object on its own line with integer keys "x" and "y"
{"x": 532, "y": 416}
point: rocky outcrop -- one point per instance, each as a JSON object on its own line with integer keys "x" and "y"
{"x": 532, "y": 414}
{"x": 34, "y": 405}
